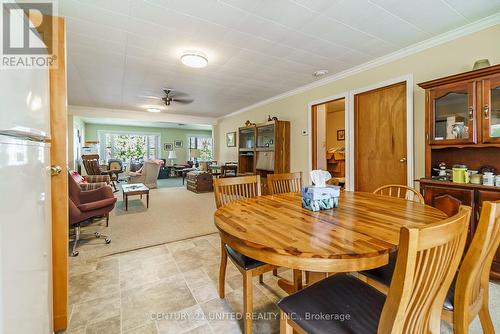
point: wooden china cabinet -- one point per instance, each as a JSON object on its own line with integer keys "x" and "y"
{"x": 463, "y": 127}
{"x": 264, "y": 149}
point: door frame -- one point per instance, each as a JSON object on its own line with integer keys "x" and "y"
{"x": 350, "y": 136}
{"x": 310, "y": 105}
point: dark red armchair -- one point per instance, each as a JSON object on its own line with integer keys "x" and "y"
{"x": 84, "y": 205}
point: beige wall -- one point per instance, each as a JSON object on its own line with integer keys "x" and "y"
{"x": 335, "y": 121}
{"x": 445, "y": 59}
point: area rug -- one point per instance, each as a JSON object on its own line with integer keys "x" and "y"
{"x": 173, "y": 214}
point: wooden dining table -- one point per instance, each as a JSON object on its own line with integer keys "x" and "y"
{"x": 356, "y": 236}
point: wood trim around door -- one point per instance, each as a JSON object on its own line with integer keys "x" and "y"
{"x": 314, "y": 138}
{"x": 313, "y": 127}
{"x": 59, "y": 183}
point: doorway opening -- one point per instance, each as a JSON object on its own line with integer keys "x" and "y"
{"x": 328, "y": 121}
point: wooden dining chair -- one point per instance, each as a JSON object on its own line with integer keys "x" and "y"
{"x": 447, "y": 203}
{"x": 227, "y": 190}
{"x": 380, "y": 278}
{"x": 284, "y": 183}
{"x": 400, "y": 191}
{"x": 468, "y": 295}
{"x": 427, "y": 260}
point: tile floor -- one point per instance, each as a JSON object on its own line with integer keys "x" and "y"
{"x": 172, "y": 288}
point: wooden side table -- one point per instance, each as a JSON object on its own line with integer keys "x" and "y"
{"x": 135, "y": 189}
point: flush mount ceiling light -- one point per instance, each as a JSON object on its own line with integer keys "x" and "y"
{"x": 194, "y": 59}
{"x": 320, "y": 73}
{"x": 153, "y": 110}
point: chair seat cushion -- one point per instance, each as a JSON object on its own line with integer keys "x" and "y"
{"x": 383, "y": 274}
{"x": 338, "y": 304}
{"x": 241, "y": 260}
{"x": 449, "y": 301}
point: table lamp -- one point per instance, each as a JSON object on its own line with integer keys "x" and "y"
{"x": 172, "y": 156}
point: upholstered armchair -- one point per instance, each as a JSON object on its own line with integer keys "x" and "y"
{"x": 85, "y": 205}
{"x": 148, "y": 174}
{"x": 91, "y": 182}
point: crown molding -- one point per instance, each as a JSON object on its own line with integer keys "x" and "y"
{"x": 451, "y": 35}
{"x": 124, "y": 114}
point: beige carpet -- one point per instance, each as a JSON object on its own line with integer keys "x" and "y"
{"x": 173, "y": 214}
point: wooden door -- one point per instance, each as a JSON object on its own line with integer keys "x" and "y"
{"x": 380, "y": 137}
{"x": 59, "y": 162}
{"x": 490, "y": 113}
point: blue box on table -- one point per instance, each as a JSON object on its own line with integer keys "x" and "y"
{"x": 320, "y": 198}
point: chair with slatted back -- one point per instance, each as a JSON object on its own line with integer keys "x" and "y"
{"x": 92, "y": 167}
{"x": 400, "y": 191}
{"x": 427, "y": 260}
{"x": 227, "y": 190}
{"x": 284, "y": 183}
{"x": 380, "y": 278}
{"x": 447, "y": 203}
{"x": 468, "y": 295}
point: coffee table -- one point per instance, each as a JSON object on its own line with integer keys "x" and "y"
{"x": 135, "y": 189}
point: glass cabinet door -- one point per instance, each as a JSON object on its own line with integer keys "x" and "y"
{"x": 265, "y": 136}
{"x": 247, "y": 138}
{"x": 491, "y": 110}
{"x": 453, "y": 110}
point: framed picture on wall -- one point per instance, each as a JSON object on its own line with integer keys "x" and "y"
{"x": 231, "y": 139}
{"x": 169, "y": 147}
{"x": 178, "y": 143}
{"x": 340, "y": 134}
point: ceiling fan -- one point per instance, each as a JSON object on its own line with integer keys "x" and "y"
{"x": 172, "y": 96}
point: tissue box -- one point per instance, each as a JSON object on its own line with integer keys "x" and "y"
{"x": 320, "y": 198}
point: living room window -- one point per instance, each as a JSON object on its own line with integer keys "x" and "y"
{"x": 204, "y": 145}
{"x": 126, "y": 146}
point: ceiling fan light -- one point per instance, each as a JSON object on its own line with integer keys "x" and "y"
{"x": 194, "y": 59}
{"x": 153, "y": 110}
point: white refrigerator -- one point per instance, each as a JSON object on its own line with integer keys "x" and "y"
{"x": 25, "y": 203}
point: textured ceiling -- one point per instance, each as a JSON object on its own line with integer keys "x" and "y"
{"x": 122, "y": 50}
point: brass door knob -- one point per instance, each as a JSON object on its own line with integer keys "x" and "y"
{"x": 402, "y": 160}
{"x": 55, "y": 170}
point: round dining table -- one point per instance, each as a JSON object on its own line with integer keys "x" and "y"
{"x": 356, "y": 236}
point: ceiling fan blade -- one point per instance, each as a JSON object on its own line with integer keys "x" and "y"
{"x": 185, "y": 101}
{"x": 173, "y": 93}
{"x": 150, "y": 97}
